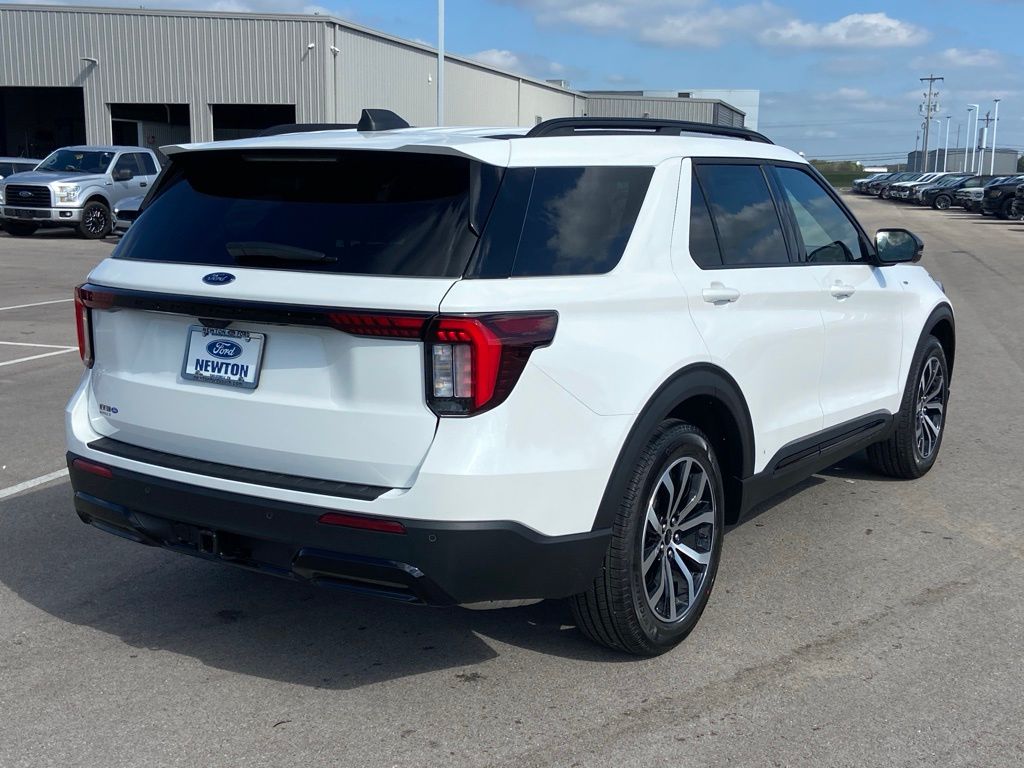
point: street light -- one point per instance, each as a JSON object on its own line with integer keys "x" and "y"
{"x": 995, "y": 127}
{"x": 440, "y": 62}
{"x": 973, "y": 136}
{"x": 945, "y": 152}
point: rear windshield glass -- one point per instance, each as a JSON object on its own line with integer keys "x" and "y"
{"x": 355, "y": 212}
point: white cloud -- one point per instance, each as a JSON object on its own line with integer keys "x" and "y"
{"x": 964, "y": 57}
{"x": 497, "y": 57}
{"x": 867, "y": 30}
{"x": 528, "y": 64}
{"x": 707, "y": 27}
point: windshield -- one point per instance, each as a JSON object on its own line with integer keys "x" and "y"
{"x": 77, "y": 161}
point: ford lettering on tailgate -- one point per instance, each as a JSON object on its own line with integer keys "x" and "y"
{"x": 223, "y": 356}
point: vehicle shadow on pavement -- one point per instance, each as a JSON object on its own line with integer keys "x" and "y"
{"x": 245, "y": 622}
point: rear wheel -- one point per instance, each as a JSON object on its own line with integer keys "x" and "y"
{"x": 96, "y": 221}
{"x": 666, "y": 543}
{"x": 942, "y": 202}
{"x": 912, "y": 448}
{"x": 1005, "y": 210}
{"x": 20, "y": 229}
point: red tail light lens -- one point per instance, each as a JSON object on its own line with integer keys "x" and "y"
{"x": 93, "y": 469}
{"x": 83, "y": 324}
{"x": 473, "y": 362}
{"x": 378, "y": 324}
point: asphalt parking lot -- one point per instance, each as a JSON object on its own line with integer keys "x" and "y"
{"x": 856, "y": 621}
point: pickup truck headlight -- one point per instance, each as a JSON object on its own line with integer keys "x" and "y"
{"x": 67, "y": 193}
{"x": 1, "y": 195}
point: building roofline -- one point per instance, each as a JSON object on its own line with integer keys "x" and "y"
{"x": 322, "y": 18}
{"x": 665, "y": 99}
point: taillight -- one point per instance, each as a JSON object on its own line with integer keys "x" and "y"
{"x": 474, "y": 361}
{"x": 83, "y": 324}
{"x": 86, "y": 300}
{"x": 378, "y": 324}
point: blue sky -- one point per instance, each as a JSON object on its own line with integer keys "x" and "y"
{"x": 838, "y": 79}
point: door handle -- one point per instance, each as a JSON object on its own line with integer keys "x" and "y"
{"x": 717, "y": 293}
{"x": 142, "y": 184}
{"x": 841, "y": 290}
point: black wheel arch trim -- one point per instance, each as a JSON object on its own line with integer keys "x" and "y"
{"x": 942, "y": 313}
{"x": 696, "y": 380}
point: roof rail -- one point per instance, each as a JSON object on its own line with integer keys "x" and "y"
{"x": 572, "y": 126}
{"x": 277, "y": 130}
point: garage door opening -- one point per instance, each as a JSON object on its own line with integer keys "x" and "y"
{"x": 150, "y": 125}
{"x": 36, "y": 121}
{"x": 240, "y": 121}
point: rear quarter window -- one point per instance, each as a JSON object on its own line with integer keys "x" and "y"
{"x": 562, "y": 221}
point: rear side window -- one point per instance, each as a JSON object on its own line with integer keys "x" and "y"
{"x": 748, "y": 224}
{"x": 355, "y": 212}
{"x": 703, "y": 242}
{"x": 562, "y": 221}
{"x": 146, "y": 165}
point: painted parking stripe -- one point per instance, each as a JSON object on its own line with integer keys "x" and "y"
{"x": 38, "y": 357}
{"x": 26, "y": 344}
{"x": 41, "y": 480}
{"x": 37, "y": 304}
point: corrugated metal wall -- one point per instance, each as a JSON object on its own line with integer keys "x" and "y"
{"x": 171, "y": 57}
{"x": 697, "y": 110}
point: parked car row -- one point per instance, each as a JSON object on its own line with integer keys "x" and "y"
{"x": 999, "y": 196}
{"x": 77, "y": 187}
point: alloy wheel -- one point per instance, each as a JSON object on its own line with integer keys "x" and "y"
{"x": 95, "y": 221}
{"x": 677, "y": 541}
{"x": 931, "y": 408}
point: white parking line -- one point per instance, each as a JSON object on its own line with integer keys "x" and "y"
{"x": 41, "y": 480}
{"x": 26, "y": 344}
{"x": 37, "y": 304}
{"x": 37, "y": 357}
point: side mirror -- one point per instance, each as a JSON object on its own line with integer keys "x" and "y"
{"x": 898, "y": 246}
{"x": 124, "y": 174}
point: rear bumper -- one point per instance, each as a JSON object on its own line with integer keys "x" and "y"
{"x": 439, "y": 563}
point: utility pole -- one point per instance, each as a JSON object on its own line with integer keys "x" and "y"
{"x": 995, "y": 127}
{"x": 929, "y": 108}
{"x": 440, "y": 62}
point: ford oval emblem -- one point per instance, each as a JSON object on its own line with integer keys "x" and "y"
{"x": 223, "y": 349}
{"x": 24, "y": 193}
{"x": 218, "y": 278}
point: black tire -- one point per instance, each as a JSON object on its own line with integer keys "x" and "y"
{"x": 901, "y": 454}
{"x": 616, "y": 611}
{"x": 96, "y": 221}
{"x": 1005, "y": 210}
{"x": 20, "y": 229}
{"x": 885, "y": 194}
{"x": 942, "y": 203}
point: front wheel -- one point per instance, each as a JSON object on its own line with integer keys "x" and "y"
{"x": 1005, "y": 210}
{"x": 665, "y": 547}
{"x": 942, "y": 203}
{"x": 96, "y": 221}
{"x": 910, "y": 451}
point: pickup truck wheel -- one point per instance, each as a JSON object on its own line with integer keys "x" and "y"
{"x": 18, "y": 229}
{"x": 941, "y": 203}
{"x": 665, "y": 547}
{"x": 1005, "y": 210}
{"x": 96, "y": 221}
{"x": 911, "y": 450}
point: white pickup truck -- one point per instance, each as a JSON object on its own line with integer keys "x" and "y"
{"x": 76, "y": 187}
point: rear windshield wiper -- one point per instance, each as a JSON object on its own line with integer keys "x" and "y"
{"x": 278, "y": 251}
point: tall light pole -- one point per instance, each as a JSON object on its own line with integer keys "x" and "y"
{"x": 917, "y": 157}
{"x": 973, "y": 136}
{"x": 995, "y": 127}
{"x": 938, "y": 128}
{"x": 945, "y": 152}
{"x": 927, "y": 110}
{"x": 984, "y": 144}
{"x": 440, "y": 62}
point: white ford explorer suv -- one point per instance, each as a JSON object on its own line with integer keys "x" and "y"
{"x": 453, "y": 365}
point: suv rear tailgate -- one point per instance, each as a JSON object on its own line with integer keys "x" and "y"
{"x": 328, "y": 405}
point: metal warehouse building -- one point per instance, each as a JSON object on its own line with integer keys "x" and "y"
{"x": 73, "y": 75}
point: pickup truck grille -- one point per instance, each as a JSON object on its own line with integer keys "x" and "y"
{"x": 26, "y": 196}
